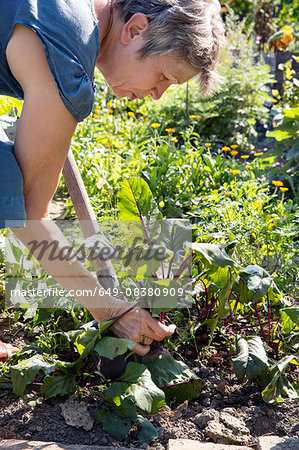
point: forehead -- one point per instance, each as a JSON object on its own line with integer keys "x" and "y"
{"x": 175, "y": 69}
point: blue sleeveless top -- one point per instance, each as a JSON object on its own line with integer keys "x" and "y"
{"x": 69, "y": 33}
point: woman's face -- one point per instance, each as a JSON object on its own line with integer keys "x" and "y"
{"x": 135, "y": 78}
{"x": 127, "y": 74}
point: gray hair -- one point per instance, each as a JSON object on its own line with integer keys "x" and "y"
{"x": 190, "y": 30}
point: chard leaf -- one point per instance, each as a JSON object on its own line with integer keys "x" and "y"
{"x": 115, "y": 426}
{"x": 58, "y": 385}
{"x": 147, "y": 431}
{"x": 213, "y": 255}
{"x": 136, "y": 385}
{"x": 175, "y": 378}
{"x": 25, "y": 372}
{"x": 251, "y": 361}
{"x": 110, "y": 347}
{"x": 136, "y": 202}
{"x": 279, "y": 385}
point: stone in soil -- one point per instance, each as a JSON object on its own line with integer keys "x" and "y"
{"x": 76, "y": 414}
{"x": 189, "y": 444}
{"x": 277, "y": 443}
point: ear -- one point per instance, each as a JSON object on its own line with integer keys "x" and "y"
{"x": 136, "y": 26}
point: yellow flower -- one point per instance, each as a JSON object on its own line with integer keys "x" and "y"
{"x": 110, "y": 111}
{"x": 258, "y": 154}
{"x": 175, "y": 140}
{"x": 155, "y": 125}
{"x": 284, "y": 189}
{"x": 234, "y": 146}
{"x": 235, "y": 171}
{"x": 110, "y": 103}
{"x": 225, "y": 149}
{"x": 131, "y": 114}
{"x": 169, "y": 130}
{"x": 234, "y": 152}
{"x": 245, "y": 156}
{"x": 194, "y": 116}
{"x": 98, "y": 107}
{"x": 108, "y": 144}
{"x": 271, "y": 225}
{"x": 277, "y": 183}
{"x": 257, "y": 205}
{"x": 248, "y": 167}
{"x": 227, "y": 193}
{"x": 207, "y": 144}
{"x": 95, "y": 116}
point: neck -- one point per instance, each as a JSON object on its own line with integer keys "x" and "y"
{"x": 108, "y": 24}
{"x": 103, "y": 11}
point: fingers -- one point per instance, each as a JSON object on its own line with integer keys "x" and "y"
{"x": 160, "y": 330}
{"x": 141, "y": 349}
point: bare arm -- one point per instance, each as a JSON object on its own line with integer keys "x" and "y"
{"x": 42, "y": 142}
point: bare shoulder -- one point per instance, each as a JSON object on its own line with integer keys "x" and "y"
{"x": 28, "y": 63}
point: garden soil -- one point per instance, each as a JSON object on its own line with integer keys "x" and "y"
{"x": 20, "y": 419}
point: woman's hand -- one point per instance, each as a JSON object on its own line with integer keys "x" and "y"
{"x": 141, "y": 327}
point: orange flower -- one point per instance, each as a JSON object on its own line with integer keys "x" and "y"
{"x": 169, "y": 130}
{"x": 110, "y": 111}
{"x": 284, "y": 189}
{"x": 234, "y": 152}
{"x": 234, "y": 146}
{"x": 277, "y": 183}
{"x": 155, "y": 125}
{"x": 235, "y": 171}
{"x": 95, "y": 116}
{"x": 227, "y": 193}
{"x": 248, "y": 167}
{"x": 225, "y": 149}
{"x": 194, "y": 116}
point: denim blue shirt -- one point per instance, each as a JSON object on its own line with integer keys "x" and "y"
{"x": 70, "y": 36}
{"x": 69, "y": 33}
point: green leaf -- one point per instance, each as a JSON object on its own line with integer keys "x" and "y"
{"x": 25, "y": 372}
{"x": 136, "y": 202}
{"x": 279, "y": 385}
{"x": 58, "y": 385}
{"x": 115, "y": 426}
{"x": 251, "y": 361}
{"x": 293, "y": 153}
{"x": 136, "y": 384}
{"x": 175, "y": 377}
{"x": 147, "y": 432}
{"x": 110, "y": 347}
{"x": 289, "y": 318}
{"x": 213, "y": 254}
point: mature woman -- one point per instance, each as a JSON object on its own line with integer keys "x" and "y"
{"x": 48, "y": 52}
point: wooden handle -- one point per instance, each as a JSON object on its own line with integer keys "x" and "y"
{"x": 87, "y": 218}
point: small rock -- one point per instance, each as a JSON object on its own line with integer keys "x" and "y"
{"x": 222, "y": 387}
{"x": 203, "y": 418}
{"x": 206, "y": 401}
{"x": 235, "y": 424}
{"x": 231, "y": 411}
{"x": 219, "y": 433}
{"x": 270, "y": 412}
{"x": 214, "y": 403}
{"x": 76, "y": 414}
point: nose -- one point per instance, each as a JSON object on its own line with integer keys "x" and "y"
{"x": 157, "y": 92}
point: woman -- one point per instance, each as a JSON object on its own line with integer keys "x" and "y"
{"x": 48, "y": 52}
